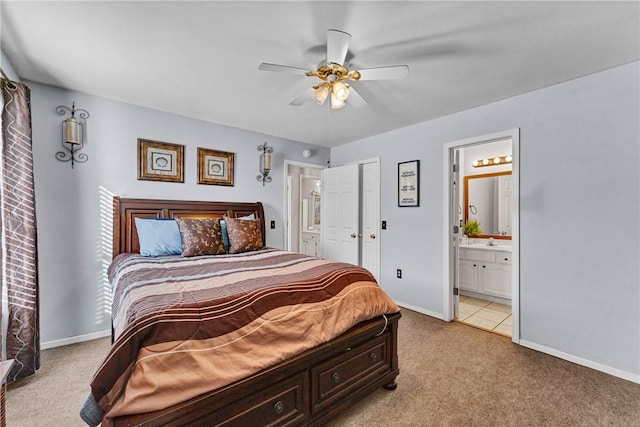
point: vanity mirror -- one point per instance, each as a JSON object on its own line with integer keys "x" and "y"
{"x": 310, "y": 196}
{"x": 487, "y": 199}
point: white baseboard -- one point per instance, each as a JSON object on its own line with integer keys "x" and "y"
{"x": 584, "y": 362}
{"x": 74, "y": 340}
{"x": 420, "y": 310}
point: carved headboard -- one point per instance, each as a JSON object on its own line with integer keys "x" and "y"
{"x": 125, "y": 235}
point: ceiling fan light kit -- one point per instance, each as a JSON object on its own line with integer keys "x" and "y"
{"x": 334, "y": 72}
{"x": 336, "y": 103}
{"x": 320, "y": 93}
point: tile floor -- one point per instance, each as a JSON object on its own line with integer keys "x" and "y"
{"x": 485, "y": 315}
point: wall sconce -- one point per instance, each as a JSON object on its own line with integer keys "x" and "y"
{"x": 72, "y": 135}
{"x": 265, "y": 163}
{"x": 307, "y": 153}
{"x": 492, "y": 162}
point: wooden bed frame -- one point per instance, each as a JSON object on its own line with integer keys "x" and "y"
{"x": 308, "y": 389}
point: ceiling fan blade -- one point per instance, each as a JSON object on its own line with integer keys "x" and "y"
{"x": 355, "y": 99}
{"x": 337, "y": 46}
{"x": 303, "y": 98}
{"x": 282, "y": 68}
{"x": 384, "y": 73}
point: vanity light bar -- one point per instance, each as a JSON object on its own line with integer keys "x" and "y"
{"x": 492, "y": 162}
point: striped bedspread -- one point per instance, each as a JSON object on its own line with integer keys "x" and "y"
{"x": 186, "y": 326}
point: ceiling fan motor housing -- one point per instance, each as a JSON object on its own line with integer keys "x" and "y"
{"x": 334, "y": 72}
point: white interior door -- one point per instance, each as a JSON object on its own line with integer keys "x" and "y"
{"x": 340, "y": 214}
{"x": 370, "y": 214}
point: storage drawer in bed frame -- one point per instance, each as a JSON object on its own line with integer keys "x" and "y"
{"x": 339, "y": 376}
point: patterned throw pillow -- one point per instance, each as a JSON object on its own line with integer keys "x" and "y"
{"x": 201, "y": 236}
{"x": 244, "y": 235}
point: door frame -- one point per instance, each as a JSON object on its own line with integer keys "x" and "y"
{"x": 448, "y": 152}
{"x": 287, "y": 199}
{"x": 287, "y": 210}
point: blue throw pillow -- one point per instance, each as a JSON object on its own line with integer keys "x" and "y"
{"x": 158, "y": 237}
{"x": 225, "y": 235}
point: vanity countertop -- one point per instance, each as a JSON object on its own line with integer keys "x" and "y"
{"x": 484, "y": 246}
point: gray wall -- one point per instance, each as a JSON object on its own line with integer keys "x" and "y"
{"x": 74, "y": 205}
{"x": 579, "y": 210}
{"x": 7, "y": 67}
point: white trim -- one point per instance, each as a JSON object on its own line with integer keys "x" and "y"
{"x": 629, "y": 376}
{"x": 364, "y": 162}
{"x": 288, "y": 162}
{"x": 287, "y": 211}
{"x": 515, "y": 237}
{"x": 514, "y": 134}
{"x": 75, "y": 340}
{"x": 420, "y": 310}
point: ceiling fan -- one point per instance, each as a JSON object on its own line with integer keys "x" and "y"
{"x": 334, "y": 72}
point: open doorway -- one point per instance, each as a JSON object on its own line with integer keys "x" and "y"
{"x": 482, "y": 233}
{"x": 302, "y": 207}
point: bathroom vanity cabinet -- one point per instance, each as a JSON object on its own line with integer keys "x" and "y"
{"x": 486, "y": 271}
{"x": 310, "y": 243}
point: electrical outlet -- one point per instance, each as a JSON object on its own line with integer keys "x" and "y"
{"x": 399, "y": 273}
{"x": 273, "y": 225}
{"x": 384, "y": 225}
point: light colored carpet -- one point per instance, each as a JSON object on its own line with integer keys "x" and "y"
{"x": 450, "y": 375}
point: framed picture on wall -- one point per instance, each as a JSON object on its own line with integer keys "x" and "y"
{"x": 215, "y": 167}
{"x": 409, "y": 184}
{"x": 160, "y": 161}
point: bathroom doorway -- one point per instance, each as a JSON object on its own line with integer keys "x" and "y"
{"x": 482, "y": 233}
{"x": 301, "y": 208}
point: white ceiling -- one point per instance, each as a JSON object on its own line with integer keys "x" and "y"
{"x": 200, "y": 59}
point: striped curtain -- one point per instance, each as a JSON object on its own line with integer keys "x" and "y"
{"x": 18, "y": 272}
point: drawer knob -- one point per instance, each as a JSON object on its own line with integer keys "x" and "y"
{"x": 506, "y": 259}
{"x": 335, "y": 377}
{"x": 278, "y": 407}
{"x": 373, "y": 356}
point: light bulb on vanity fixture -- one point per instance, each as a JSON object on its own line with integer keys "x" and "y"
{"x": 498, "y": 160}
{"x": 307, "y": 153}
{"x": 265, "y": 163}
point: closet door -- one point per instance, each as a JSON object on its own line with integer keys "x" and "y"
{"x": 340, "y": 214}
{"x": 371, "y": 218}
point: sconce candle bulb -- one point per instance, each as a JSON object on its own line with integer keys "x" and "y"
{"x": 72, "y": 126}
{"x": 265, "y": 163}
{"x": 72, "y": 135}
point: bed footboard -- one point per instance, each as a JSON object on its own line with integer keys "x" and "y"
{"x": 308, "y": 389}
